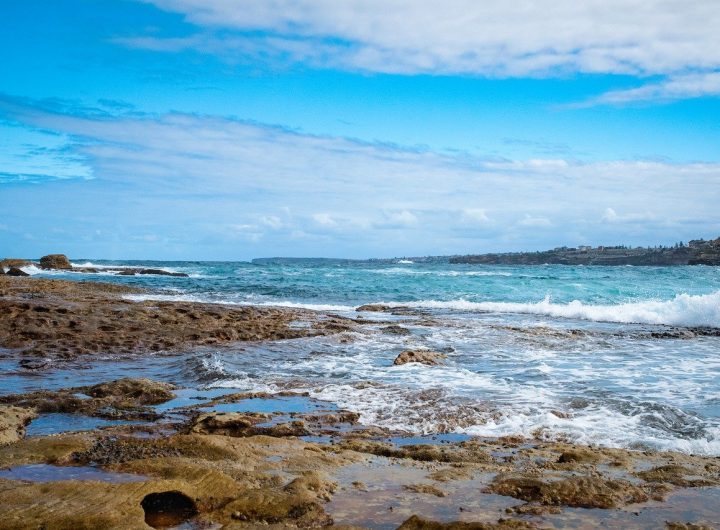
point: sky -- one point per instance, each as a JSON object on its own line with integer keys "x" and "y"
{"x": 229, "y": 129}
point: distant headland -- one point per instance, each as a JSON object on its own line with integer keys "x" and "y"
{"x": 696, "y": 252}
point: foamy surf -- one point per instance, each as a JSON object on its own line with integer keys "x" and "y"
{"x": 682, "y": 310}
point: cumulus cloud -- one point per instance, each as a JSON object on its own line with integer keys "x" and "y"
{"x": 206, "y": 182}
{"x": 542, "y": 37}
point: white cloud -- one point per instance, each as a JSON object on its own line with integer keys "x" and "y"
{"x": 542, "y": 37}
{"x": 203, "y": 180}
{"x": 535, "y": 221}
{"x": 475, "y": 216}
{"x": 684, "y": 86}
{"x": 611, "y": 216}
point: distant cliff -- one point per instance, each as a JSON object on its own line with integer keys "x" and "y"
{"x": 696, "y": 252}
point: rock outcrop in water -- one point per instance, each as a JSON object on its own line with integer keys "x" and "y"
{"x": 696, "y": 252}
{"x": 60, "y": 262}
{"x": 55, "y": 261}
{"x": 428, "y": 357}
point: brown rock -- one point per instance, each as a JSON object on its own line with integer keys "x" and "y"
{"x": 577, "y": 492}
{"x": 418, "y": 523}
{"x": 14, "y": 271}
{"x": 579, "y": 455}
{"x": 12, "y": 423}
{"x": 140, "y": 391}
{"x": 243, "y": 424}
{"x": 55, "y": 261}
{"x": 428, "y": 357}
{"x": 7, "y": 263}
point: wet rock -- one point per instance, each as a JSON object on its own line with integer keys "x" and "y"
{"x": 34, "y": 364}
{"x": 428, "y": 357}
{"x": 14, "y": 271}
{"x": 579, "y": 456}
{"x": 55, "y": 261}
{"x": 419, "y": 452}
{"x": 150, "y": 272}
{"x": 141, "y": 391}
{"x": 377, "y": 308}
{"x": 674, "y": 525}
{"x": 66, "y": 319}
{"x": 418, "y": 523}
{"x": 160, "y": 272}
{"x": 13, "y": 421}
{"x": 577, "y": 492}
{"x": 8, "y": 263}
{"x": 126, "y": 399}
{"x": 675, "y": 475}
{"x": 314, "y": 483}
{"x": 239, "y": 424}
{"x": 425, "y": 488}
{"x": 396, "y": 330}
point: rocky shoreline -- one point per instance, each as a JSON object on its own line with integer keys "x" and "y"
{"x": 173, "y": 457}
{"x": 60, "y": 319}
{"x": 60, "y": 262}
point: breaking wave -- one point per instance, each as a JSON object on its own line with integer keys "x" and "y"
{"x": 683, "y": 310}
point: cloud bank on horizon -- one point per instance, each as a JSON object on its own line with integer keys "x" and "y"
{"x": 201, "y": 129}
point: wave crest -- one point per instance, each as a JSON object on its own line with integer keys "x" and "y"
{"x": 683, "y": 310}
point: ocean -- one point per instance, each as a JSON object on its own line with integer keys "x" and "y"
{"x": 614, "y": 356}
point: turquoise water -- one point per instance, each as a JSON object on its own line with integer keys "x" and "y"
{"x": 618, "y": 356}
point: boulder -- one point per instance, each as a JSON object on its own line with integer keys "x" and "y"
{"x": 7, "y": 263}
{"x": 429, "y": 357}
{"x": 12, "y": 423}
{"x": 55, "y": 261}
{"x": 14, "y": 271}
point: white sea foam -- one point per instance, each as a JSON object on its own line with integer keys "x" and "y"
{"x": 410, "y": 271}
{"x": 683, "y": 310}
{"x": 208, "y": 300}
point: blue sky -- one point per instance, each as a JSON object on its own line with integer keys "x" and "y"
{"x": 213, "y": 129}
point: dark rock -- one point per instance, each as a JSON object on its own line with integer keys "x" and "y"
{"x": 34, "y": 364}
{"x": 394, "y": 329}
{"x": 160, "y": 272}
{"x": 374, "y": 308}
{"x": 152, "y": 272}
{"x": 14, "y": 271}
{"x": 55, "y": 261}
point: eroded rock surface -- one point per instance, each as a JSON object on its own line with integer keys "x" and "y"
{"x": 428, "y": 357}
{"x": 13, "y": 421}
{"x": 64, "y": 319}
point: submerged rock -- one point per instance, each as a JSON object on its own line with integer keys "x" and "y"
{"x": 429, "y": 357}
{"x": 55, "y": 261}
{"x": 13, "y": 421}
